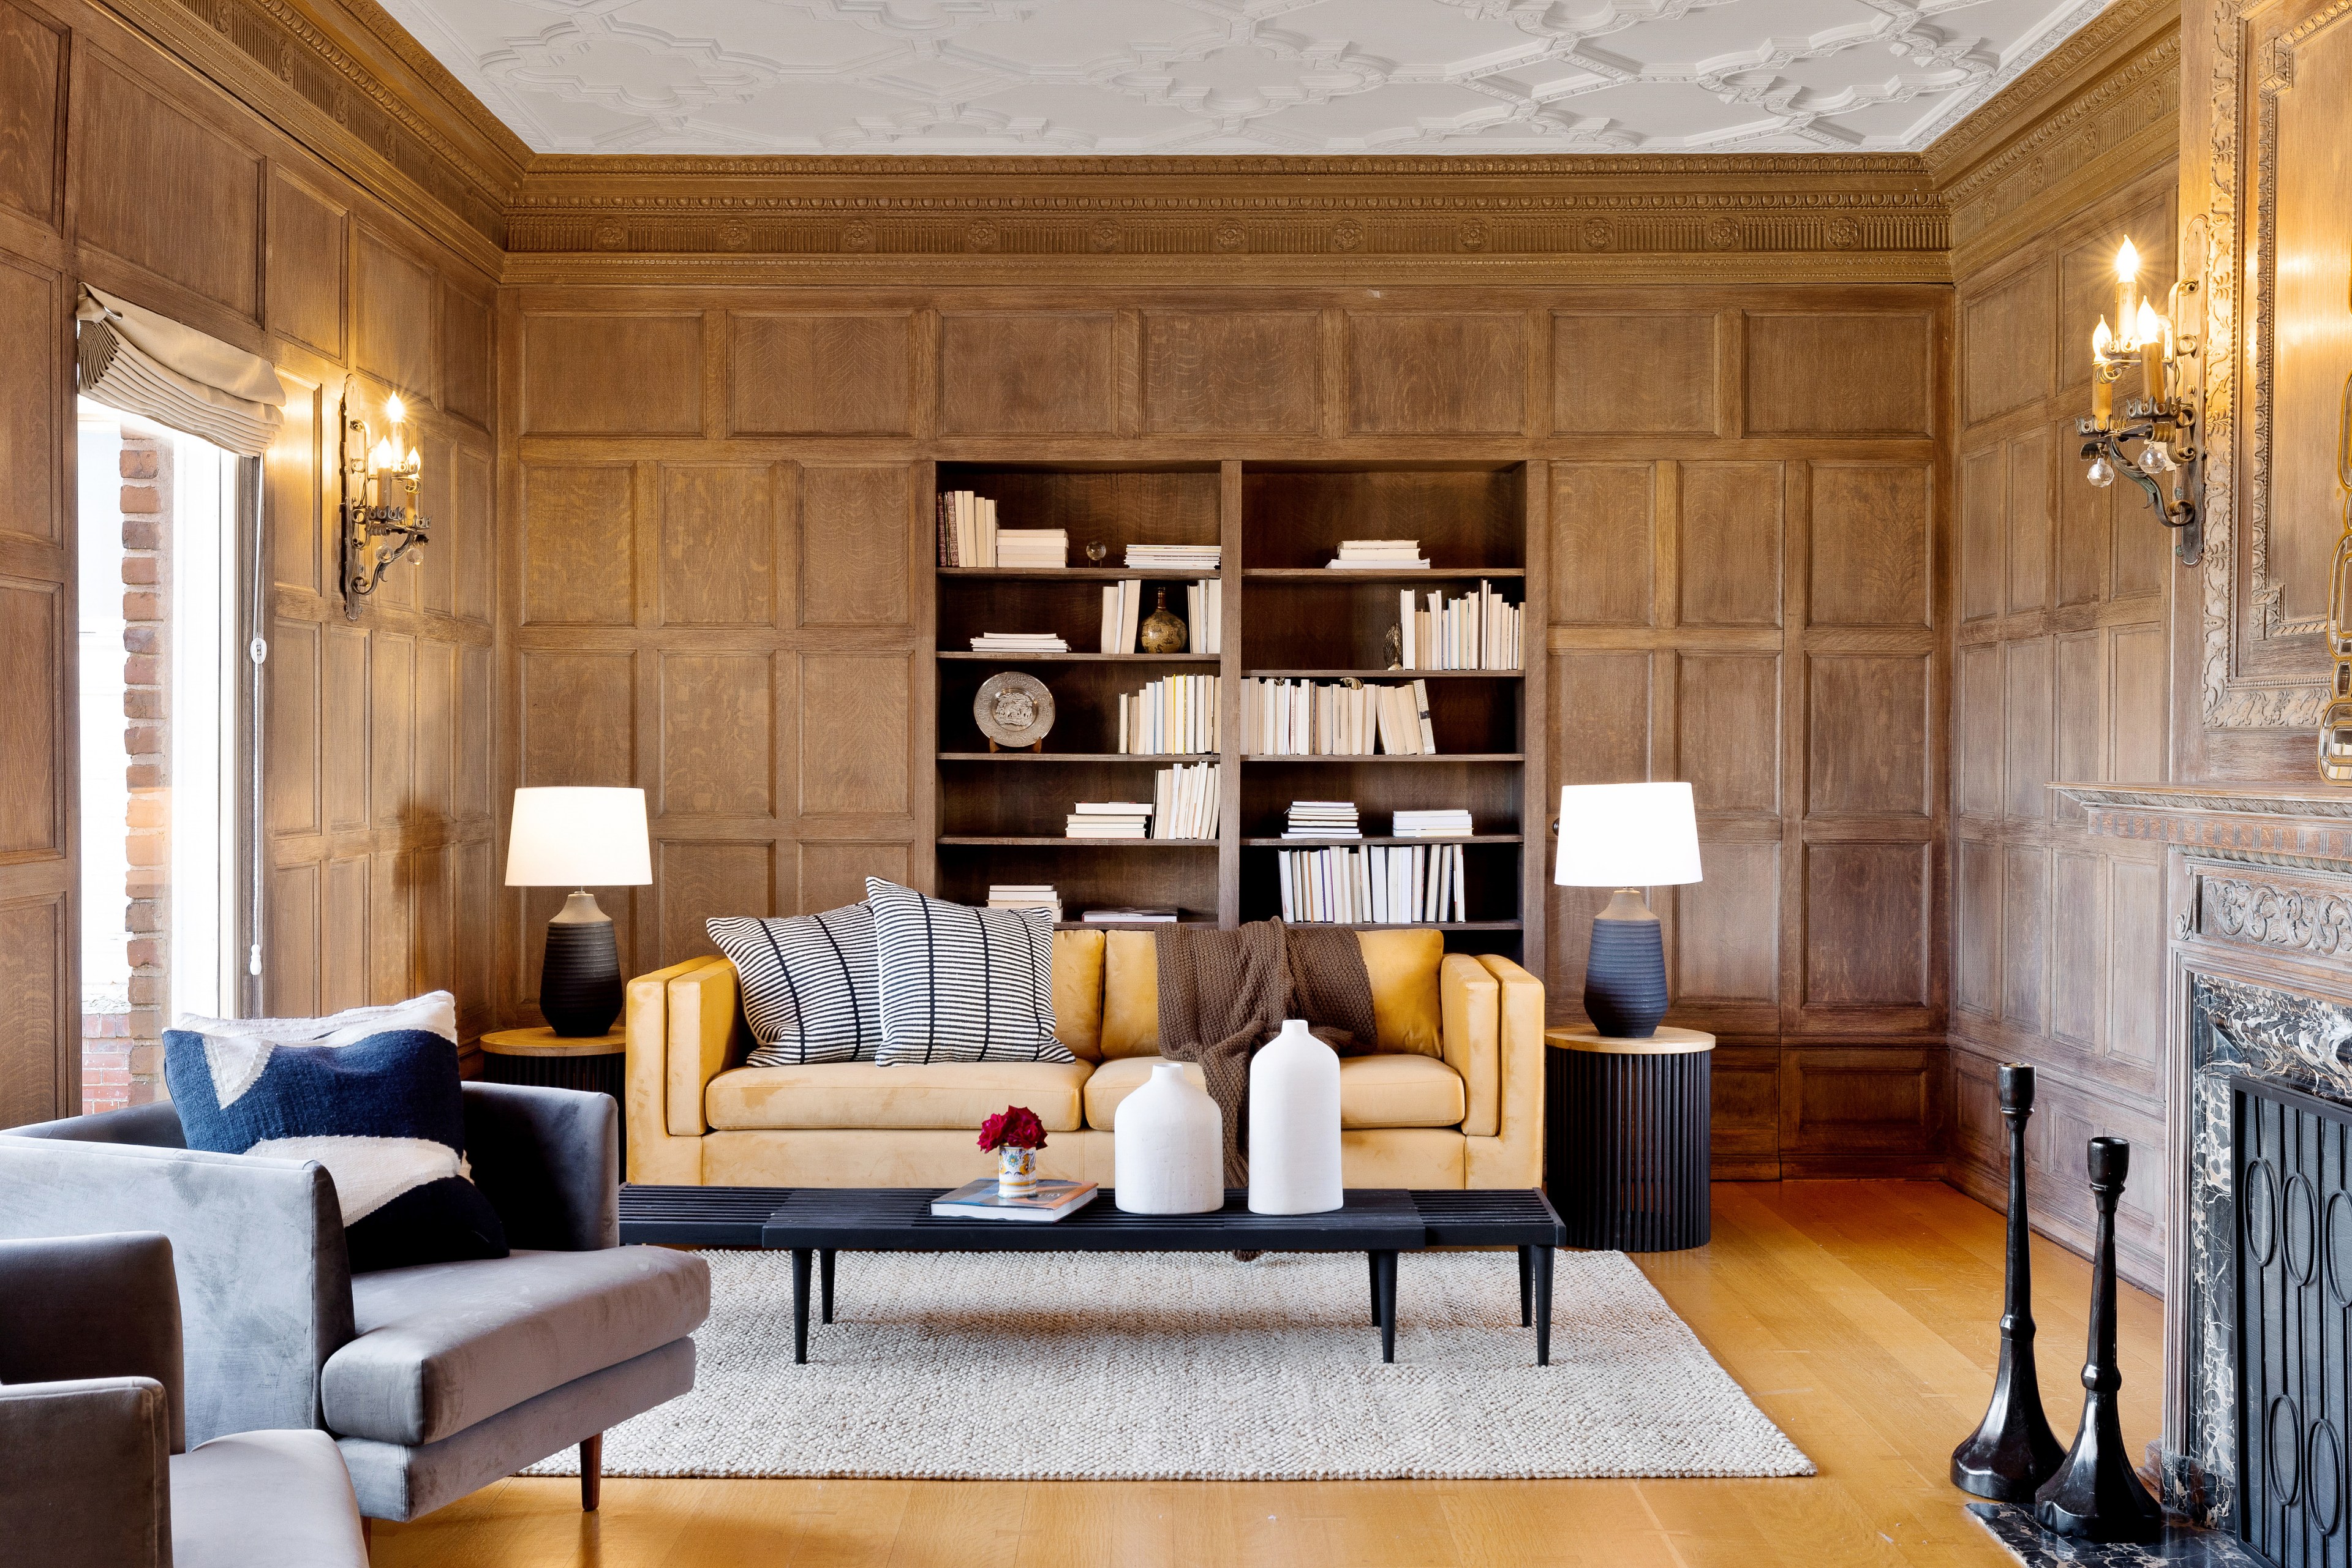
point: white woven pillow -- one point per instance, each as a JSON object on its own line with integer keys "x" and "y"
{"x": 434, "y": 1012}
{"x": 961, "y": 985}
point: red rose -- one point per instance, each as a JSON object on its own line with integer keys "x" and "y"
{"x": 1015, "y": 1127}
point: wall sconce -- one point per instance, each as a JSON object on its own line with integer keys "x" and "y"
{"x": 2163, "y": 420}
{"x": 381, "y": 522}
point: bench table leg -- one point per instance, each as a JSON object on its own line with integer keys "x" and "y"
{"x": 1543, "y": 1306}
{"x": 1384, "y": 1286}
{"x": 1526, "y": 1287}
{"x": 824, "y": 1272}
{"x": 800, "y": 1304}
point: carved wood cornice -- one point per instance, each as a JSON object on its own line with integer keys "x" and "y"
{"x": 2140, "y": 90}
{"x": 2053, "y": 82}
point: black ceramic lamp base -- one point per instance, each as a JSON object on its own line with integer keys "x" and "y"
{"x": 580, "y": 982}
{"x": 1625, "y": 971}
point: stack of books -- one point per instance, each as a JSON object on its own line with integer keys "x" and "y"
{"x": 967, "y": 525}
{"x": 1176, "y": 560}
{"x": 1477, "y": 631}
{"x": 1307, "y": 719}
{"x": 1322, "y": 819}
{"x": 980, "y": 1200}
{"x": 1122, "y": 614}
{"x": 1177, "y": 713}
{"x": 1408, "y": 885}
{"x": 1032, "y": 547}
{"x": 1431, "y": 825}
{"x": 1123, "y": 916}
{"x": 1184, "y": 802}
{"x": 1018, "y": 643}
{"x": 1380, "y": 555}
{"x": 1024, "y": 896}
{"x": 1109, "y": 819}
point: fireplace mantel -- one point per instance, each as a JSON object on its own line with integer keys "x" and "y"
{"x": 2307, "y": 822}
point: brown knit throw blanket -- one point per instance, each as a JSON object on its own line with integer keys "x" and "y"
{"x": 1224, "y": 994}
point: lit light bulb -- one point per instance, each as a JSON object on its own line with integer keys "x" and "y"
{"x": 2127, "y": 262}
{"x": 2102, "y": 474}
{"x": 395, "y": 410}
{"x": 382, "y": 458}
{"x": 2102, "y": 340}
{"x": 413, "y": 466}
{"x": 2147, "y": 328}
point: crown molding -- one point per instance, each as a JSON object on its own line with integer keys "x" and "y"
{"x": 1029, "y": 169}
{"x": 1959, "y": 160}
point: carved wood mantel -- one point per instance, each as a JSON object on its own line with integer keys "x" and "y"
{"x": 2298, "y": 822}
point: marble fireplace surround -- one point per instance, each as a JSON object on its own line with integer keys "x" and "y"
{"x": 2258, "y": 911}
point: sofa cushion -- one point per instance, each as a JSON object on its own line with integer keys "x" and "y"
{"x": 960, "y": 984}
{"x": 871, "y": 1094}
{"x": 265, "y": 1499}
{"x": 1403, "y": 967}
{"x": 1387, "y": 1091}
{"x": 807, "y": 982}
{"x": 1079, "y": 992}
{"x": 443, "y": 1345}
{"x": 1130, "y": 1024}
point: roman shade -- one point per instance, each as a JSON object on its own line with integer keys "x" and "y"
{"x": 137, "y": 361}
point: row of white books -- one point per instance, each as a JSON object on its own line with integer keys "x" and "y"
{"x": 1032, "y": 548}
{"x": 1122, "y": 615}
{"x": 1322, "y": 819}
{"x": 967, "y": 527}
{"x": 1126, "y": 916}
{"x": 1174, "y": 713}
{"x": 1010, "y": 643}
{"x": 1407, "y": 885}
{"x": 1380, "y": 555}
{"x": 1024, "y": 896}
{"x": 1431, "y": 825}
{"x": 1109, "y": 819}
{"x": 1173, "y": 559}
{"x": 1316, "y": 719}
{"x": 1184, "y": 801}
{"x": 1477, "y": 631}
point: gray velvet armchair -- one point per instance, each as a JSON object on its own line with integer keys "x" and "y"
{"x": 434, "y": 1380}
{"x": 98, "y": 1473}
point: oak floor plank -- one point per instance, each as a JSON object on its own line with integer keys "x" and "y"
{"x": 1859, "y": 1316}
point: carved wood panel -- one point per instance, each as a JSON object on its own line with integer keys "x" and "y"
{"x": 820, "y": 375}
{"x": 166, "y": 192}
{"x": 1232, "y": 373}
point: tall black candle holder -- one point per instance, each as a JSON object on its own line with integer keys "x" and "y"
{"x": 2095, "y": 1496}
{"x": 2009, "y": 1456}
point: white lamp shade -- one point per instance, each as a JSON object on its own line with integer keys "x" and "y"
{"x": 572, "y": 837}
{"x": 1626, "y": 836}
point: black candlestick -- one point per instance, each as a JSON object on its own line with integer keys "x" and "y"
{"x": 2095, "y": 1496}
{"x": 2014, "y": 1451}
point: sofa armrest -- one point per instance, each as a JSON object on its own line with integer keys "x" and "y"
{"x": 88, "y": 1481}
{"x": 1466, "y": 996}
{"x": 705, "y": 1018}
{"x": 93, "y": 1307}
{"x": 257, "y": 1246}
{"x": 1514, "y": 1157}
{"x": 655, "y": 1156}
{"x": 550, "y": 1161}
{"x": 156, "y": 1125}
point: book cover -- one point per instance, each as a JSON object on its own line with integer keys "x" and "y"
{"x": 980, "y": 1200}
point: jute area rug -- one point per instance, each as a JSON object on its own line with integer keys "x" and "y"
{"x": 1194, "y": 1366}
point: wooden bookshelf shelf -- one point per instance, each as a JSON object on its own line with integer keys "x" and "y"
{"x": 1129, "y": 925}
{"x": 1420, "y": 925}
{"x": 994, "y": 816}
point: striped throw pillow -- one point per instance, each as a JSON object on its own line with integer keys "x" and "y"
{"x": 808, "y": 984}
{"x": 961, "y": 985}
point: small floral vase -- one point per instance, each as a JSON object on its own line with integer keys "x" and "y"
{"x": 1016, "y": 1172}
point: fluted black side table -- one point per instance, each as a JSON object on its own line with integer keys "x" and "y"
{"x": 542, "y": 1056}
{"x": 1626, "y": 1125}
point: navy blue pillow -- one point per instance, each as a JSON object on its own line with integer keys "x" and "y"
{"x": 385, "y": 1115}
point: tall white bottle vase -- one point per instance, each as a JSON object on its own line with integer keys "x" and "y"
{"x": 1293, "y": 1125}
{"x": 1168, "y": 1147}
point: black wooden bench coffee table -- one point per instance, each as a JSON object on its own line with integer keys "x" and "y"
{"x": 815, "y": 1223}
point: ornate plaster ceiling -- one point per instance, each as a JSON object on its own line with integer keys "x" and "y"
{"x": 1235, "y": 76}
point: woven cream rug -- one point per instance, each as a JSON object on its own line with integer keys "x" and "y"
{"x": 1192, "y": 1365}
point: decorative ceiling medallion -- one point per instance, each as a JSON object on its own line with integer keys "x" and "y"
{"x": 1322, "y": 76}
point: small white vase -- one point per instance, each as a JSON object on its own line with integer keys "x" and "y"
{"x": 1168, "y": 1147}
{"x": 1293, "y": 1125}
{"x": 1016, "y": 1172}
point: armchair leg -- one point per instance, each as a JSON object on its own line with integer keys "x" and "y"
{"x": 592, "y": 1473}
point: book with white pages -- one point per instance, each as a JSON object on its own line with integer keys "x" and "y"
{"x": 982, "y": 1200}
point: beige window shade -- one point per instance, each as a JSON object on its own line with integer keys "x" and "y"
{"x": 137, "y": 361}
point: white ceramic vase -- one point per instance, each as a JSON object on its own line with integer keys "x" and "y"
{"x": 1168, "y": 1147}
{"x": 1293, "y": 1124}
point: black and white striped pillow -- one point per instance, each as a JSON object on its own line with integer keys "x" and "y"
{"x": 961, "y": 985}
{"x": 808, "y": 984}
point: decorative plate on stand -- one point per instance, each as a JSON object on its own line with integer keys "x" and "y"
{"x": 1013, "y": 710}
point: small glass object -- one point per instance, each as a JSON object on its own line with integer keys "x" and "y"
{"x": 1098, "y": 552}
{"x": 2102, "y": 474}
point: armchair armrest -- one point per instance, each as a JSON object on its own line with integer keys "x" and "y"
{"x": 93, "y": 1307}
{"x": 550, "y": 1161}
{"x": 265, "y": 1282}
{"x": 88, "y": 1483}
{"x": 1466, "y": 994}
{"x": 1514, "y": 1158}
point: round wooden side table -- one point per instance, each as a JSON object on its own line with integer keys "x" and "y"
{"x": 1625, "y": 1141}
{"x": 542, "y": 1056}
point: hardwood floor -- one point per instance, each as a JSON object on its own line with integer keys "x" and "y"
{"x": 1859, "y": 1315}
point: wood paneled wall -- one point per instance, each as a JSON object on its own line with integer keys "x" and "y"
{"x": 2062, "y": 660}
{"x": 714, "y": 593}
{"x": 119, "y": 166}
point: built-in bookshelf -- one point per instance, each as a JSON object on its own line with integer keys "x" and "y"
{"x": 1284, "y": 615}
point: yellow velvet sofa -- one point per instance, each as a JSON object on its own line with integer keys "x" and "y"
{"x": 1452, "y": 1098}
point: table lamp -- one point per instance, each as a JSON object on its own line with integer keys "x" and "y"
{"x": 577, "y": 839}
{"x": 1628, "y": 837}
